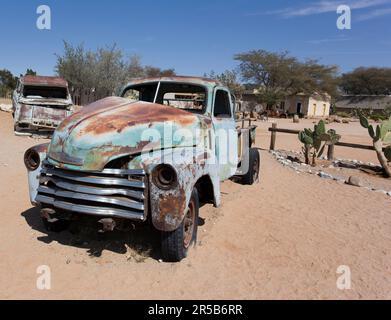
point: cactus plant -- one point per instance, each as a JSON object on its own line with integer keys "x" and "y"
{"x": 381, "y": 137}
{"x": 315, "y": 141}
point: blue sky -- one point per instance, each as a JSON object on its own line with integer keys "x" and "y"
{"x": 197, "y": 36}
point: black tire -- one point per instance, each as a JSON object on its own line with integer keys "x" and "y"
{"x": 56, "y": 226}
{"x": 175, "y": 244}
{"x": 252, "y": 174}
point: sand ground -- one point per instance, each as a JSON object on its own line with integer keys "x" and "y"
{"x": 283, "y": 238}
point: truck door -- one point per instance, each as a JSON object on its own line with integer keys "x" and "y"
{"x": 226, "y": 136}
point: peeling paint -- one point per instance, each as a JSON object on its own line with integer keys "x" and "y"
{"x": 33, "y": 113}
{"x": 127, "y": 141}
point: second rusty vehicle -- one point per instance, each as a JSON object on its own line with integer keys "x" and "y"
{"x": 154, "y": 154}
{"x": 40, "y": 103}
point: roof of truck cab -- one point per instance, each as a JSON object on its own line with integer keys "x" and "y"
{"x": 44, "y": 81}
{"x": 183, "y": 79}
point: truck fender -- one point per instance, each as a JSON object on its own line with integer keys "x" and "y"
{"x": 33, "y": 159}
{"x": 168, "y": 206}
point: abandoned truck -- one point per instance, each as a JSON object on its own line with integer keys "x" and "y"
{"x": 40, "y": 103}
{"x": 154, "y": 154}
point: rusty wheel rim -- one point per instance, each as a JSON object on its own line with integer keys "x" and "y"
{"x": 255, "y": 170}
{"x": 188, "y": 225}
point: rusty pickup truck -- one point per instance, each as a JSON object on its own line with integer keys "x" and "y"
{"x": 40, "y": 104}
{"x": 152, "y": 154}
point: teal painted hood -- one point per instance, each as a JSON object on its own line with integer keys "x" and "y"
{"x": 115, "y": 127}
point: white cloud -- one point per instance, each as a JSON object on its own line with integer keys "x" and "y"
{"x": 374, "y": 14}
{"x": 328, "y": 40}
{"x": 326, "y": 7}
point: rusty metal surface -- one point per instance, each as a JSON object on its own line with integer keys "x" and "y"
{"x": 37, "y": 113}
{"x": 116, "y": 134}
{"x": 44, "y": 81}
{"x": 115, "y": 127}
{"x": 191, "y": 164}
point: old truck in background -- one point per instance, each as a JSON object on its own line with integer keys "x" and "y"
{"x": 153, "y": 154}
{"x": 40, "y": 104}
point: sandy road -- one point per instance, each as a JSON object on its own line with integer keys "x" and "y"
{"x": 283, "y": 238}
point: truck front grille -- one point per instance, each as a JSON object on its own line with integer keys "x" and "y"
{"x": 109, "y": 193}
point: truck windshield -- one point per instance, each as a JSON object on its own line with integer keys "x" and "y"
{"x": 45, "y": 92}
{"x": 185, "y": 96}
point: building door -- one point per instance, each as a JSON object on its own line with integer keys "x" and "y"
{"x": 298, "y": 111}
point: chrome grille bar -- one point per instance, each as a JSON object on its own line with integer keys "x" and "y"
{"x": 111, "y": 192}
{"x": 93, "y": 190}
{"x": 89, "y": 197}
{"x": 83, "y": 177}
{"x": 109, "y": 212}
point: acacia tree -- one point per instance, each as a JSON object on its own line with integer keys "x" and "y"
{"x": 7, "y": 82}
{"x": 230, "y": 79}
{"x": 278, "y": 75}
{"x": 102, "y": 71}
{"x": 30, "y": 72}
{"x": 367, "y": 81}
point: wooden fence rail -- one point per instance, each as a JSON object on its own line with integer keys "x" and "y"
{"x": 243, "y": 120}
{"x": 330, "y": 152}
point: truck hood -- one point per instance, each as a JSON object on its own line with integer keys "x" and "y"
{"x": 115, "y": 127}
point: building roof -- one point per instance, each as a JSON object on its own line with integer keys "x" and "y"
{"x": 186, "y": 79}
{"x": 44, "y": 81}
{"x": 375, "y": 102}
{"x": 315, "y": 95}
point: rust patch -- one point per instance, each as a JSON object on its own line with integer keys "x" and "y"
{"x": 171, "y": 209}
{"x": 41, "y": 148}
{"x": 91, "y": 110}
{"x": 110, "y": 150}
{"x": 44, "y": 81}
{"x": 133, "y": 114}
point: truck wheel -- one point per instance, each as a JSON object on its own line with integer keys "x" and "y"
{"x": 55, "y": 226}
{"x": 252, "y": 174}
{"x": 175, "y": 244}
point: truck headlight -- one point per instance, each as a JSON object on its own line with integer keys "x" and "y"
{"x": 32, "y": 160}
{"x": 164, "y": 177}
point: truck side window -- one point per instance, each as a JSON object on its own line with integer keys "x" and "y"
{"x": 222, "y": 106}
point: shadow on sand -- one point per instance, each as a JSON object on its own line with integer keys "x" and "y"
{"x": 140, "y": 243}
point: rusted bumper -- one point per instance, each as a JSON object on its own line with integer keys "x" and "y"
{"x": 35, "y": 117}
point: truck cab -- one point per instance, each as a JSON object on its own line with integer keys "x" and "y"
{"x": 154, "y": 153}
{"x": 40, "y": 103}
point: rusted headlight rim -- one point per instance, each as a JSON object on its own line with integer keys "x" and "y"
{"x": 165, "y": 177}
{"x": 32, "y": 160}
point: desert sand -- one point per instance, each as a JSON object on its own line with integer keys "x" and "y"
{"x": 283, "y": 238}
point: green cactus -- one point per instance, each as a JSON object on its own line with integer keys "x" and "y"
{"x": 315, "y": 141}
{"x": 381, "y": 137}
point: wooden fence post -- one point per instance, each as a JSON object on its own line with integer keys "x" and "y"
{"x": 330, "y": 152}
{"x": 273, "y": 137}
